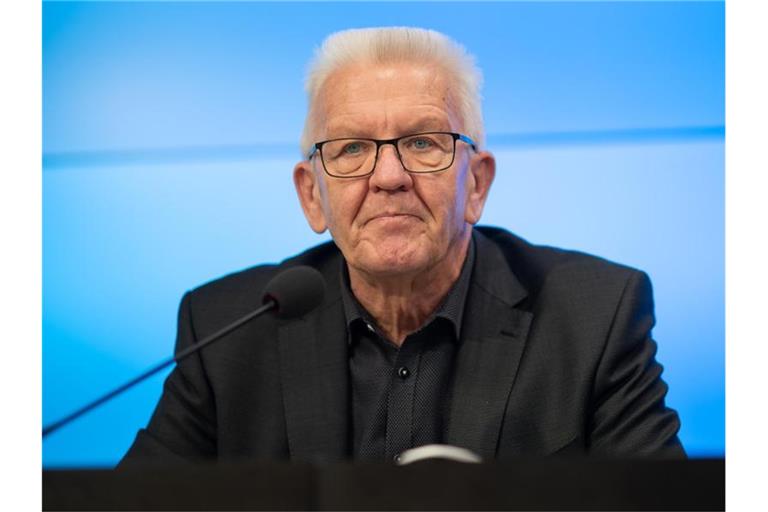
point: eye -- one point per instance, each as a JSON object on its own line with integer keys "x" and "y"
{"x": 421, "y": 143}
{"x": 353, "y": 148}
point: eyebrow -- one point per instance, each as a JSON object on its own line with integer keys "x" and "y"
{"x": 425, "y": 124}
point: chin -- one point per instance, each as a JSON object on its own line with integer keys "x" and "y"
{"x": 394, "y": 259}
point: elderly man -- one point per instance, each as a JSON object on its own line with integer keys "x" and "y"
{"x": 431, "y": 330}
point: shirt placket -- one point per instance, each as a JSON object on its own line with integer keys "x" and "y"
{"x": 401, "y": 399}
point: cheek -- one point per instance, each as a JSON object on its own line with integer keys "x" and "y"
{"x": 457, "y": 195}
{"x": 341, "y": 203}
{"x": 461, "y": 193}
{"x": 446, "y": 204}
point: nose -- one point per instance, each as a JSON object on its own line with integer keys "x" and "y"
{"x": 389, "y": 173}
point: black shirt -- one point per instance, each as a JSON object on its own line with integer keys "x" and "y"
{"x": 401, "y": 397}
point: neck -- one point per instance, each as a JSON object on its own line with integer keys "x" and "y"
{"x": 401, "y": 304}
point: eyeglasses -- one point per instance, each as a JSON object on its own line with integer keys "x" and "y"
{"x": 418, "y": 153}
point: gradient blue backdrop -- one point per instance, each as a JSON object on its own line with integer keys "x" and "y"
{"x": 170, "y": 131}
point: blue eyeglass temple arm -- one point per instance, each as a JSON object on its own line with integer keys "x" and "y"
{"x": 469, "y": 141}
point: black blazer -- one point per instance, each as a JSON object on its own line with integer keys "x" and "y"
{"x": 556, "y": 357}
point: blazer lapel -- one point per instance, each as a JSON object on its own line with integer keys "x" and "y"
{"x": 314, "y": 375}
{"x": 493, "y": 338}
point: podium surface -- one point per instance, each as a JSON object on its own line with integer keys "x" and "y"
{"x": 537, "y": 484}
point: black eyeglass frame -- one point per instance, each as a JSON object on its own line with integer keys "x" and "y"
{"x": 318, "y": 148}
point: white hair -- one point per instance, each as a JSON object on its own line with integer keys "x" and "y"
{"x": 398, "y": 44}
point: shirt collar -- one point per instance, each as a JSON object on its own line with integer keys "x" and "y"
{"x": 451, "y": 309}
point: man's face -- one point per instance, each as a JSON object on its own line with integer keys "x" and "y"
{"x": 393, "y": 222}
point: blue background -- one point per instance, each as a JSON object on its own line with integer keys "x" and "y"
{"x": 170, "y": 131}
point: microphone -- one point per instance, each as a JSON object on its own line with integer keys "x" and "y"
{"x": 291, "y": 293}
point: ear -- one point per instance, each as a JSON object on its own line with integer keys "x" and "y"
{"x": 308, "y": 189}
{"x": 482, "y": 169}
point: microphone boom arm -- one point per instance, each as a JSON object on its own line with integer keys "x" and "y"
{"x": 52, "y": 427}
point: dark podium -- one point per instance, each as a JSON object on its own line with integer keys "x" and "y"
{"x": 536, "y": 484}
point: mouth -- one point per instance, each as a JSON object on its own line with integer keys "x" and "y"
{"x": 390, "y": 216}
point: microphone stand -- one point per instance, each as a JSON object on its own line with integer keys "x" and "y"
{"x": 52, "y": 427}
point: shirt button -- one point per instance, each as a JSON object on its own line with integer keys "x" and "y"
{"x": 370, "y": 327}
{"x": 403, "y": 372}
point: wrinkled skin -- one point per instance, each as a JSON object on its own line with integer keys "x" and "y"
{"x": 404, "y": 236}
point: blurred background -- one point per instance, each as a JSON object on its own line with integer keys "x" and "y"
{"x": 170, "y": 131}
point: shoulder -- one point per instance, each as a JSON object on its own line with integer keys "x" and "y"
{"x": 238, "y": 293}
{"x": 555, "y": 273}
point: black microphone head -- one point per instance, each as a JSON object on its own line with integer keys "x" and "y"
{"x": 296, "y": 290}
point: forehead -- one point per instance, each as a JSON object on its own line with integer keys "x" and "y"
{"x": 385, "y": 100}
